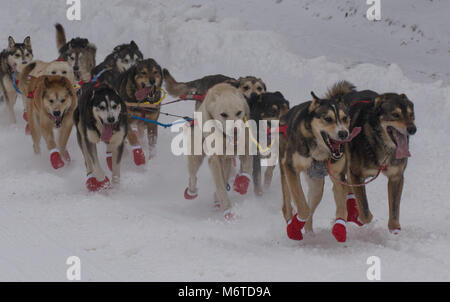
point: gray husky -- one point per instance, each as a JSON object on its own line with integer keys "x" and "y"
{"x": 12, "y": 61}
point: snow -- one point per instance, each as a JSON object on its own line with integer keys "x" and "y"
{"x": 145, "y": 230}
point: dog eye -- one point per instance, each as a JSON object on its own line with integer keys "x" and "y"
{"x": 64, "y": 72}
{"x": 53, "y": 72}
{"x": 114, "y": 107}
{"x": 395, "y": 115}
{"x": 246, "y": 87}
{"x": 125, "y": 61}
{"x": 17, "y": 55}
{"x": 238, "y": 113}
{"x": 328, "y": 119}
{"x": 259, "y": 89}
{"x": 224, "y": 115}
{"x": 345, "y": 119}
{"x": 63, "y": 100}
{"x": 51, "y": 101}
{"x": 102, "y": 108}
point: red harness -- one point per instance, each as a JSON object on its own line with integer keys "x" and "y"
{"x": 279, "y": 129}
{"x": 195, "y": 97}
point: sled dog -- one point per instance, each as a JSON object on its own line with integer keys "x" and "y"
{"x": 12, "y": 61}
{"x": 101, "y": 115}
{"x": 52, "y": 101}
{"x": 222, "y": 103}
{"x": 139, "y": 87}
{"x": 78, "y": 52}
{"x": 387, "y": 122}
{"x": 316, "y": 133}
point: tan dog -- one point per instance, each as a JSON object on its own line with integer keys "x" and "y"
{"x": 51, "y": 106}
{"x": 223, "y": 103}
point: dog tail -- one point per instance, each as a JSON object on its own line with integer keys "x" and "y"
{"x": 174, "y": 88}
{"x": 339, "y": 89}
{"x": 23, "y": 79}
{"x": 60, "y": 36}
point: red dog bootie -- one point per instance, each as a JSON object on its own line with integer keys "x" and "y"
{"x": 109, "y": 160}
{"x": 25, "y": 116}
{"x": 241, "y": 183}
{"x": 189, "y": 195}
{"x": 55, "y": 159}
{"x": 352, "y": 210}
{"x": 93, "y": 185}
{"x": 340, "y": 230}
{"x": 66, "y": 156}
{"x": 294, "y": 228}
{"x": 139, "y": 156}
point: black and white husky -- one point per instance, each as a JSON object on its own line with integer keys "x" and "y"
{"x": 12, "y": 60}
{"x": 101, "y": 116}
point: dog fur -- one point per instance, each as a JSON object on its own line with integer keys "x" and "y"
{"x": 270, "y": 106}
{"x": 310, "y": 128}
{"x": 222, "y": 102}
{"x": 251, "y": 87}
{"x": 51, "y": 107}
{"x": 78, "y": 52}
{"x": 13, "y": 58}
{"x": 101, "y": 108}
{"x": 142, "y": 75}
{"x": 387, "y": 121}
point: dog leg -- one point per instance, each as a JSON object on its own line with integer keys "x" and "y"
{"x": 361, "y": 199}
{"x": 395, "y": 189}
{"x": 257, "y": 175}
{"x": 315, "y": 193}
{"x": 295, "y": 187}
{"x": 98, "y": 172}
{"x": 116, "y": 158}
{"x": 287, "y": 206}
{"x": 35, "y": 134}
{"x": 268, "y": 176}
{"x": 64, "y": 135}
{"x": 194, "y": 163}
{"x": 340, "y": 229}
{"x": 10, "y": 99}
{"x": 138, "y": 153}
{"x": 216, "y": 165}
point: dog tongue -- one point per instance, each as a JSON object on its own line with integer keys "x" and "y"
{"x": 107, "y": 132}
{"x": 143, "y": 93}
{"x": 402, "y": 145}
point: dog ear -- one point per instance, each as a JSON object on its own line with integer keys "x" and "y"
{"x": 133, "y": 44}
{"x": 315, "y": 102}
{"x": 234, "y": 83}
{"x": 27, "y": 42}
{"x": 11, "y": 43}
{"x": 379, "y": 100}
{"x": 403, "y": 96}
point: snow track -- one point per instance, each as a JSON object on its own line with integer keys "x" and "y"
{"x": 147, "y": 231}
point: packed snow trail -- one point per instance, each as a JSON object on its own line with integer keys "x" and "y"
{"x": 147, "y": 231}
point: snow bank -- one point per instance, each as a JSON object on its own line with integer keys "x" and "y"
{"x": 146, "y": 230}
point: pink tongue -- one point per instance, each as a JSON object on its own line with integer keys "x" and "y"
{"x": 402, "y": 145}
{"x": 143, "y": 93}
{"x": 107, "y": 132}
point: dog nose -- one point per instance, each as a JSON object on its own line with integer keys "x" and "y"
{"x": 152, "y": 81}
{"x": 76, "y": 68}
{"x": 111, "y": 120}
{"x": 343, "y": 134}
{"x": 24, "y": 62}
{"x": 56, "y": 113}
{"x": 411, "y": 129}
{"x": 254, "y": 95}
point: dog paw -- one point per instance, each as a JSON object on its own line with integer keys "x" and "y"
{"x": 56, "y": 160}
{"x": 395, "y": 231}
{"x": 228, "y": 215}
{"x": 189, "y": 195}
{"x": 352, "y": 210}
{"x": 139, "y": 156}
{"x": 241, "y": 183}
{"x": 109, "y": 160}
{"x": 339, "y": 230}
{"x": 93, "y": 185}
{"x": 294, "y": 228}
{"x": 66, "y": 156}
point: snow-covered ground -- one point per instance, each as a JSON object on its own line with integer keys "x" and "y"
{"x": 147, "y": 231}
